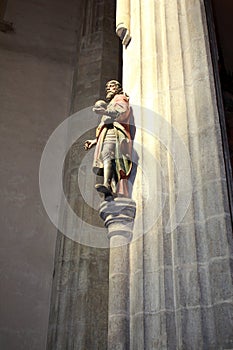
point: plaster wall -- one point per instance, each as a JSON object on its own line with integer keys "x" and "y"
{"x": 36, "y": 69}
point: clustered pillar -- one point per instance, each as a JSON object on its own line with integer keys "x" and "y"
{"x": 181, "y": 284}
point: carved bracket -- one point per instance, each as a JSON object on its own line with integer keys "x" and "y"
{"x": 123, "y": 34}
{"x": 118, "y": 216}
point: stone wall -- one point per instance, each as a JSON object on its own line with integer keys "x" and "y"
{"x": 79, "y": 303}
{"x": 36, "y": 68}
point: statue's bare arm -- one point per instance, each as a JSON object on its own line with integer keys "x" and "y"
{"x": 90, "y": 143}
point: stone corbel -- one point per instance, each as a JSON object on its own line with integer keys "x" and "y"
{"x": 118, "y": 216}
{"x": 123, "y": 21}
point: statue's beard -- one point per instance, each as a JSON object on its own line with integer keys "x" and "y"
{"x": 110, "y": 95}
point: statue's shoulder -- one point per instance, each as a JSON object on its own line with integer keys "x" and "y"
{"x": 121, "y": 97}
{"x": 125, "y": 94}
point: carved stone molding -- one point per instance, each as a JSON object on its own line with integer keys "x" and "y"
{"x": 123, "y": 21}
{"x": 118, "y": 216}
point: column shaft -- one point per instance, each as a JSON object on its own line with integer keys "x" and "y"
{"x": 185, "y": 274}
{"x": 123, "y": 13}
{"x": 118, "y": 326}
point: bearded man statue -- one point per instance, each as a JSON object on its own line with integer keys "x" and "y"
{"x": 112, "y": 158}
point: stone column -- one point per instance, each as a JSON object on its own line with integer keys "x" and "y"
{"x": 118, "y": 216}
{"x": 181, "y": 285}
{"x": 123, "y": 20}
{"x": 118, "y": 306}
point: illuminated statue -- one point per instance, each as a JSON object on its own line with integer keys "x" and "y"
{"x": 112, "y": 158}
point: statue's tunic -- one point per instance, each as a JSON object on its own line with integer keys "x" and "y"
{"x": 114, "y": 141}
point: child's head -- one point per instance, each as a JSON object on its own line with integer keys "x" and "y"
{"x": 100, "y": 104}
{"x": 100, "y": 107}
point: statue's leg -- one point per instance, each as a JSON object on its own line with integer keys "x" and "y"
{"x": 108, "y": 173}
{"x": 114, "y": 177}
{"x": 108, "y": 154}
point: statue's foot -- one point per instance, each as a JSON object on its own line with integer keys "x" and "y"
{"x": 103, "y": 189}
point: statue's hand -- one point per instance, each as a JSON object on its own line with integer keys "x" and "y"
{"x": 100, "y": 107}
{"x": 106, "y": 119}
{"x": 99, "y": 110}
{"x": 115, "y": 110}
{"x": 89, "y": 143}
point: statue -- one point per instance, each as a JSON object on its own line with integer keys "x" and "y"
{"x": 112, "y": 158}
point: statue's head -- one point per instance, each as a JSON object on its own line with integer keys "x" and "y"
{"x": 113, "y": 87}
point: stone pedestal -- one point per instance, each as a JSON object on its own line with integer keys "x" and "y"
{"x": 118, "y": 216}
